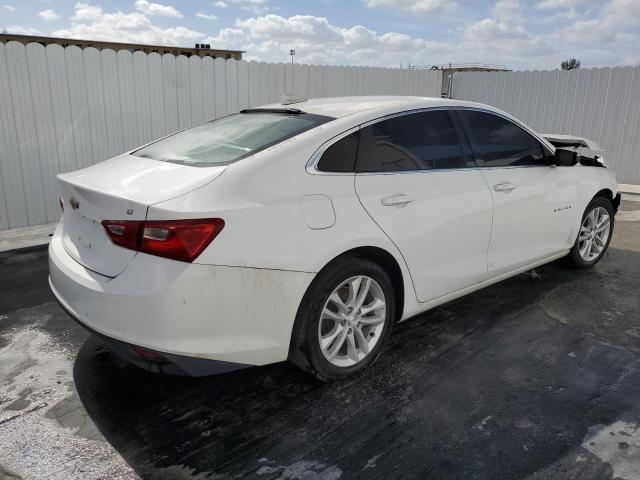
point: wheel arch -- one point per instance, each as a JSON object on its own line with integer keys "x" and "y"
{"x": 608, "y": 194}
{"x": 380, "y": 256}
{"x": 605, "y": 192}
{"x": 388, "y": 262}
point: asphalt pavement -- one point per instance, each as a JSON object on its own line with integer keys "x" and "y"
{"x": 536, "y": 377}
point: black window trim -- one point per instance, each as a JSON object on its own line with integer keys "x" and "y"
{"x": 461, "y": 137}
{"x": 460, "y": 134}
{"x": 547, "y": 150}
{"x": 312, "y": 164}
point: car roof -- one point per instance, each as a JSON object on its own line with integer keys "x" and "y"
{"x": 351, "y": 111}
{"x": 337, "y": 107}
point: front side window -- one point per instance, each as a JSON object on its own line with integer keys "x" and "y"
{"x": 498, "y": 142}
{"x": 229, "y": 139}
{"x": 416, "y": 141}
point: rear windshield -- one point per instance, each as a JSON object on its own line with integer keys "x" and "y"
{"x": 229, "y": 139}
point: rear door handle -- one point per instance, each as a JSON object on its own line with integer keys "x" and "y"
{"x": 504, "y": 187}
{"x": 398, "y": 199}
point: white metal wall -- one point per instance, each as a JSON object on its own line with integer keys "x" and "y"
{"x": 602, "y": 104}
{"x": 66, "y": 108}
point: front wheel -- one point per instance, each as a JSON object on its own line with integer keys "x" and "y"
{"x": 343, "y": 320}
{"x": 595, "y": 234}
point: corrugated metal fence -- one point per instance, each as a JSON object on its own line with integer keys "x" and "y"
{"x": 64, "y": 109}
{"x": 602, "y": 104}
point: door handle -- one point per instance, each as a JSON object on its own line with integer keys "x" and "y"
{"x": 398, "y": 199}
{"x": 504, "y": 187}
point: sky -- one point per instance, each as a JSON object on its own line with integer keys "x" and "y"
{"x": 521, "y": 34}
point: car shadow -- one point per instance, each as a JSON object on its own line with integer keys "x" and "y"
{"x": 505, "y": 382}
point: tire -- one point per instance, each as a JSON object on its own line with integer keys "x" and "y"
{"x": 584, "y": 258}
{"x": 319, "y": 319}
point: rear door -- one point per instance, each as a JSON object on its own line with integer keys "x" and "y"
{"x": 534, "y": 201}
{"x": 414, "y": 180}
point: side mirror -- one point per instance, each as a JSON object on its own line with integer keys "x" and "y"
{"x": 565, "y": 158}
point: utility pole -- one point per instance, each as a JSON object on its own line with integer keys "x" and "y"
{"x": 292, "y": 52}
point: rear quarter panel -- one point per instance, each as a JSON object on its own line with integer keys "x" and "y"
{"x": 259, "y": 199}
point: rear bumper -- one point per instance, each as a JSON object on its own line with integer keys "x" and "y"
{"x": 161, "y": 362}
{"x": 183, "y": 312}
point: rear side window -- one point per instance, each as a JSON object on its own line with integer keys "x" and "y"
{"x": 498, "y": 142}
{"x": 229, "y": 139}
{"x": 341, "y": 156}
{"x": 416, "y": 141}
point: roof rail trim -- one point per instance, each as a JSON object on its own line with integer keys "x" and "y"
{"x": 291, "y": 111}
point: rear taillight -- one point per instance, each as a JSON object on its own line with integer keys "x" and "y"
{"x": 124, "y": 233}
{"x": 61, "y": 203}
{"x": 180, "y": 240}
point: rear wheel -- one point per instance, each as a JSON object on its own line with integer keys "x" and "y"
{"x": 594, "y": 235}
{"x": 343, "y": 320}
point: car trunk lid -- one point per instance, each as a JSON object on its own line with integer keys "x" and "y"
{"x": 119, "y": 189}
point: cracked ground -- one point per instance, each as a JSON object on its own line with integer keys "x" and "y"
{"x": 536, "y": 377}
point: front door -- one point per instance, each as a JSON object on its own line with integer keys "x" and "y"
{"x": 533, "y": 201}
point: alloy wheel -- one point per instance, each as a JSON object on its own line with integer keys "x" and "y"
{"x": 594, "y": 234}
{"x": 352, "y": 321}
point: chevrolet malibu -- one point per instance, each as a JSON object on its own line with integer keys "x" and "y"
{"x": 305, "y": 231}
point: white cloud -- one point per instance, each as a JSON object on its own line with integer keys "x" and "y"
{"x": 8, "y": 8}
{"x": 553, "y": 4}
{"x": 206, "y": 16}
{"x": 48, "y": 15}
{"x": 220, "y": 4}
{"x": 419, "y": 6}
{"x": 491, "y": 30}
{"x": 513, "y": 33}
{"x": 607, "y": 35}
{"x": 508, "y": 11}
{"x": 20, "y": 30}
{"x": 257, "y": 7}
{"x": 494, "y": 41}
{"x": 598, "y": 36}
{"x": 149, "y": 8}
{"x": 86, "y": 12}
{"x": 91, "y": 22}
{"x": 317, "y": 41}
{"x": 228, "y": 38}
{"x": 570, "y": 15}
{"x": 298, "y": 27}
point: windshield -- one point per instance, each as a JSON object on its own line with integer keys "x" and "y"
{"x": 229, "y": 139}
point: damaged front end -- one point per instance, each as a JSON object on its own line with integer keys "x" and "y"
{"x": 588, "y": 151}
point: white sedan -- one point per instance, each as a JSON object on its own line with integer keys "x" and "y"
{"x": 305, "y": 231}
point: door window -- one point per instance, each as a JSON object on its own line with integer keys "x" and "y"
{"x": 416, "y": 141}
{"x": 498, "y": 142}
